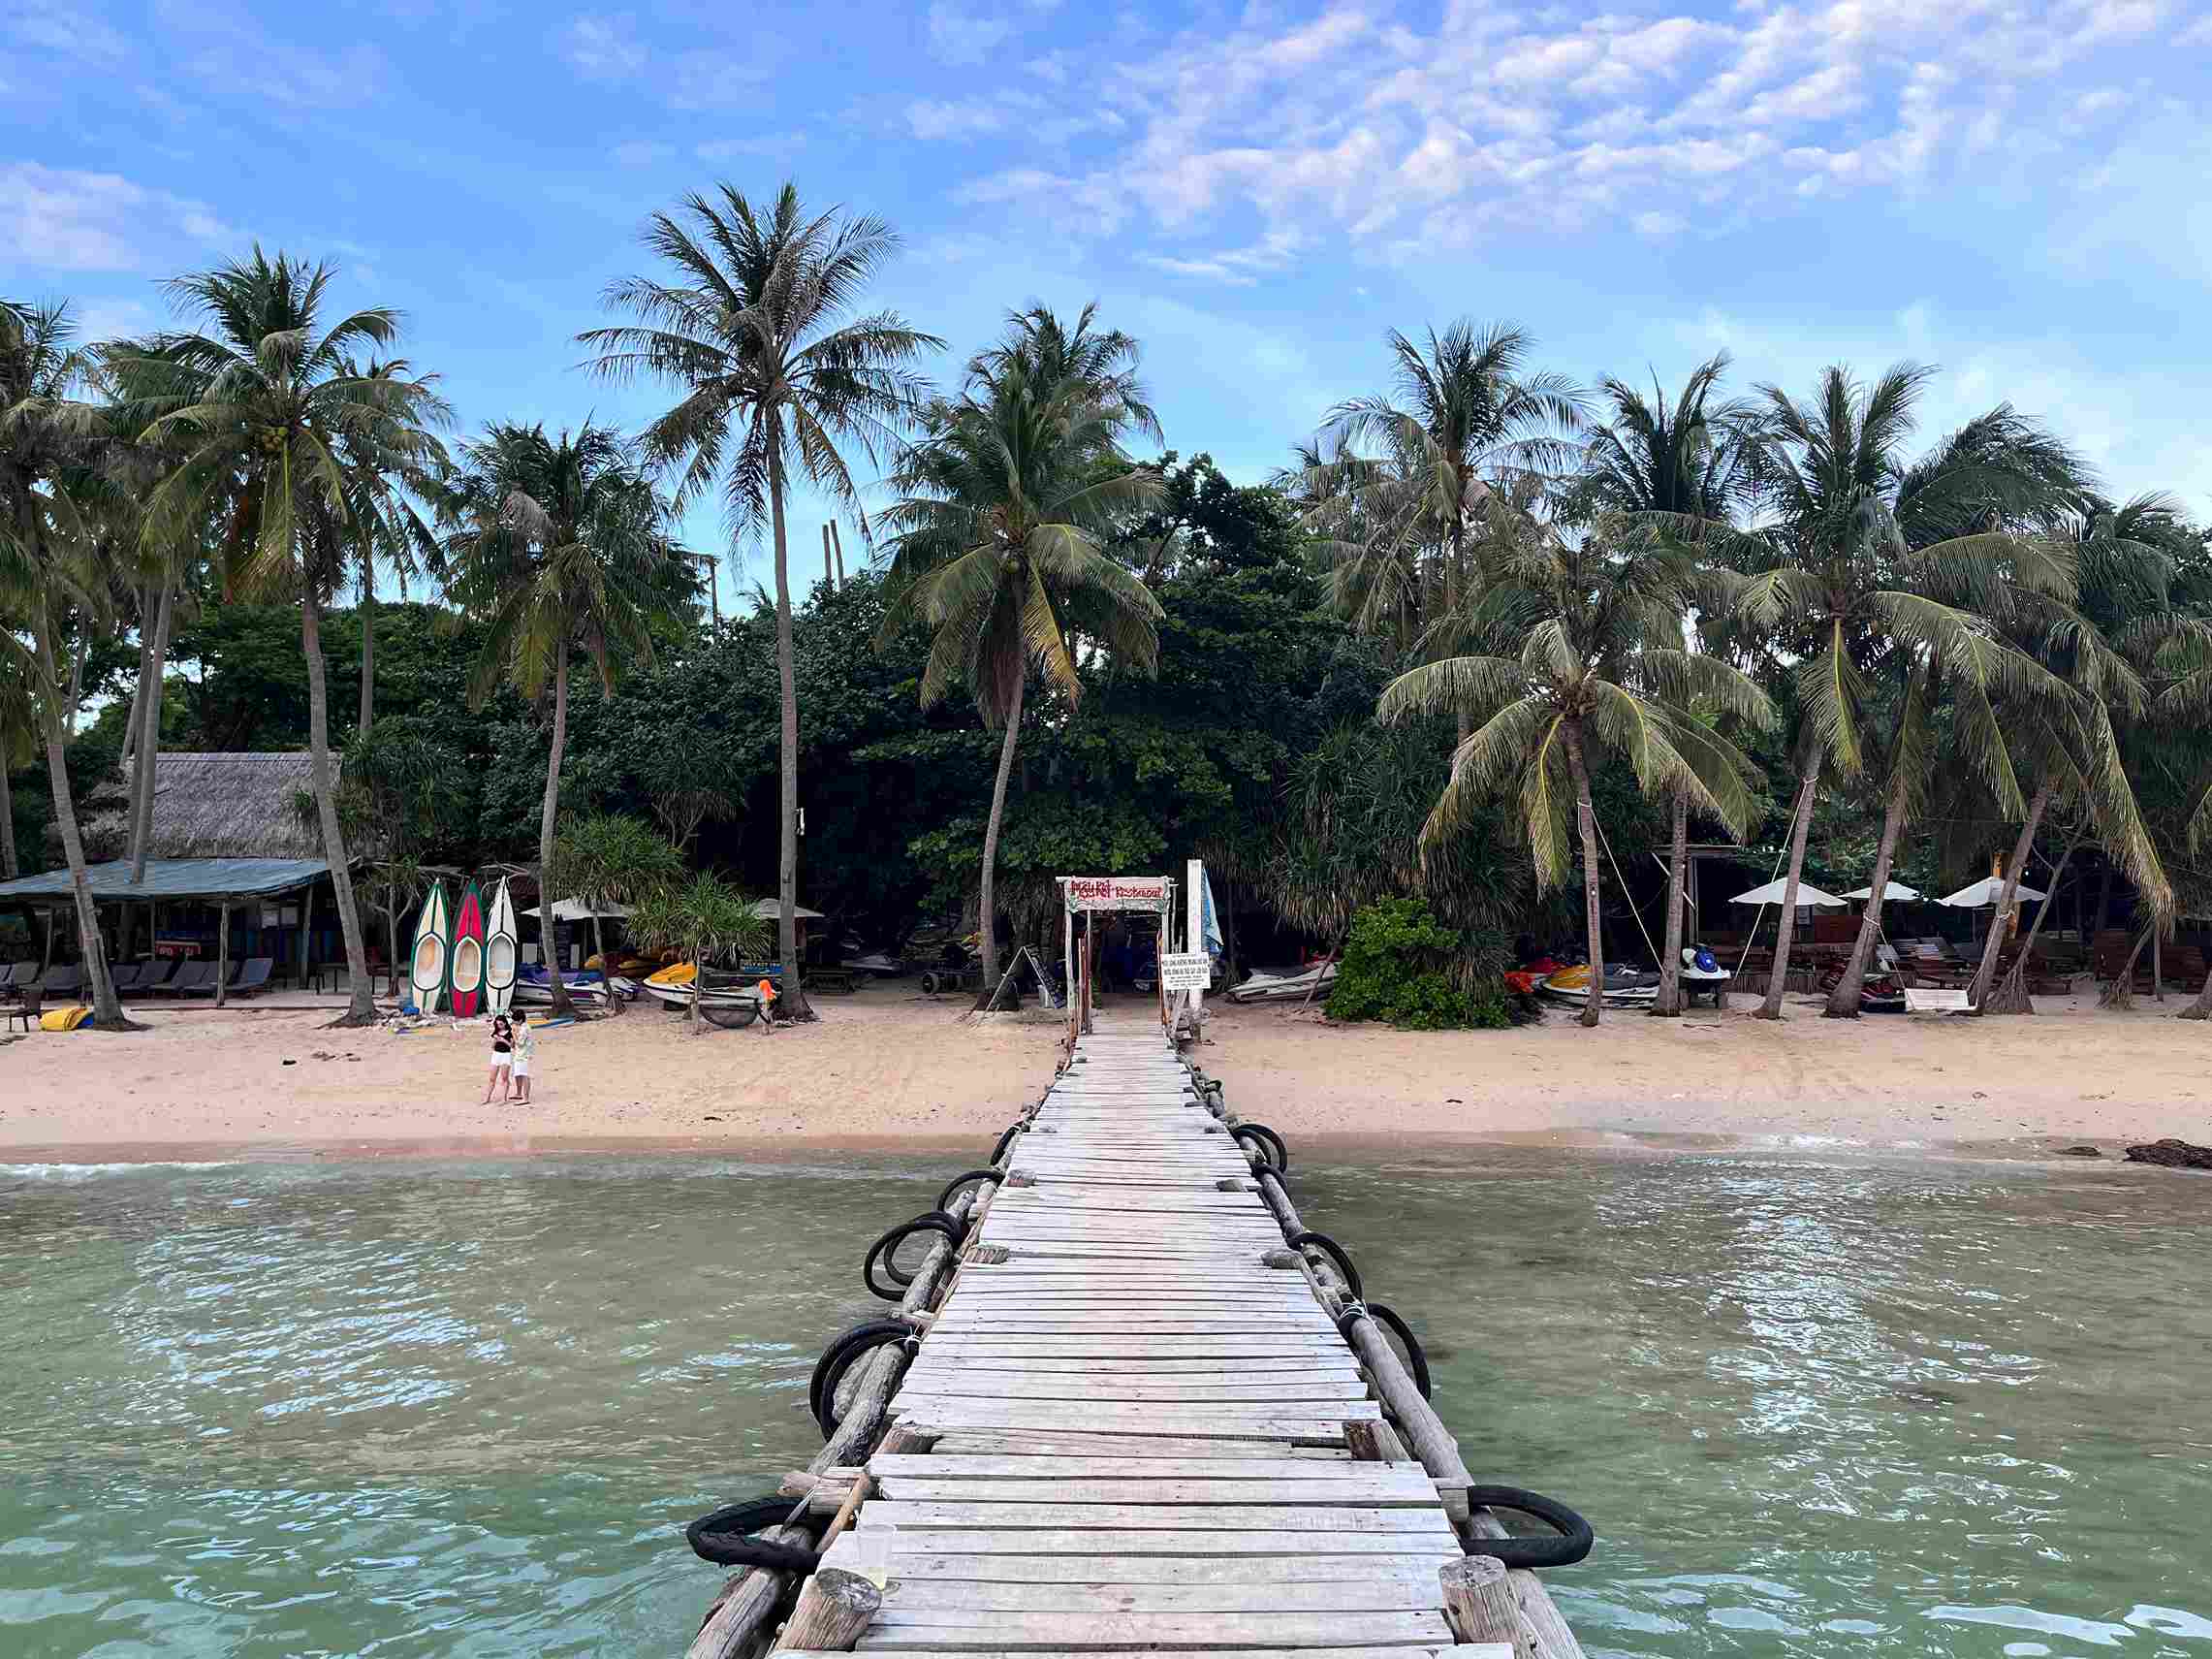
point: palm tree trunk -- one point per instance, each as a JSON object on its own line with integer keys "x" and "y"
{"x": 2013, "y": 866}
{"x": 149, "y": 736}
{"x": 10, "y": 867}
{"x": 2012, "y": 997}
{"x": 367, "y": 645}
{"x": 2121, "y": 993}
{"x": 1843, "y": 1000}
{"x": 1668, "y": 1002}
{"x": 1801, "y": 823}
{"x": 107, "y": 1007}
{"x": 361, "y": 1000}
{"x": 787, "y": 858}
{"x": 1586, "y": 821}
{"x": 989, "y": 936}
{"x": 128, "y": 759}
{"x": 2201, "y": 1008}
{"x": 549, "y": 814}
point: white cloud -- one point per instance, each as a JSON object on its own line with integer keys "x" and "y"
{"x": 642, "y": 152}
{"x": 604, "y": 47}
{"x": 948, "y": 118}
{"x": 962, "y": 38}
{"x": 59, "y": 219}
{"x": 1660, "y": 224}
{"x": 765, "y": 144}
{"x": 66, "y": 31}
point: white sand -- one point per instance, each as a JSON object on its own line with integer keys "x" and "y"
{"x": 891, "y": 1070}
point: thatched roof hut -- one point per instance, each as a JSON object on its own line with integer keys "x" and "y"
{"x": 214, "y": 806}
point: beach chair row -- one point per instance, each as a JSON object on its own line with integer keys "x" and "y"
{"x": 164, "y": 976}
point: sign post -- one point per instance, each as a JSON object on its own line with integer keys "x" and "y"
{"x": 1186, "y": 970}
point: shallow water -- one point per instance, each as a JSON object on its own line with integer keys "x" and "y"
{"x": 414, "y": 1409}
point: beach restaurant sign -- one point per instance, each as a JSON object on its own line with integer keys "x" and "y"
{"x": 1115, "y": 892}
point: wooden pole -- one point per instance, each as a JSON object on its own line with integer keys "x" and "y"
{"x": 222, "y": 952}
{"x": 1479, "y": 1604}
{"x": 306, "y": 926}
{"x": 49, "y": 962}
{"x": 2158, "y": 969}
{"x": 837, "y": 540}
{"x": 835, "y": 1609}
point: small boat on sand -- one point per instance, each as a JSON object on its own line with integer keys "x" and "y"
{"x": 1314, "y": 980}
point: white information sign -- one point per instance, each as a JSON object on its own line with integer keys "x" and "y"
{"x": 1186, "y": 972}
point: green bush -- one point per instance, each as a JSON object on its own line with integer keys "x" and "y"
{"x": 1398, "y": 967}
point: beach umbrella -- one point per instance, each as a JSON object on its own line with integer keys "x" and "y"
{"x": 577, "y": 910}
{"x": 1985, "y": 892}
{"x": 1892, "y": 893}
{"x": 1773, "y": 892}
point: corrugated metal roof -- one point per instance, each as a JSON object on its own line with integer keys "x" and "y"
{"x": 173, "y": 878}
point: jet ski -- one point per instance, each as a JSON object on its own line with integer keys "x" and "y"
{"x": 1626, "y": 986}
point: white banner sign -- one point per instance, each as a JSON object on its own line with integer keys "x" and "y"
{"x": 1115, "y": 892}
{"x": 1194, "y": 972}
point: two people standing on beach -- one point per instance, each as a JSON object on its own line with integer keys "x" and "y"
{"x": 512, "y": 1046}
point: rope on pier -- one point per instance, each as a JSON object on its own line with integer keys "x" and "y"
{"x": 838, "y": 1357}
{"x": 1416, "y": 1358}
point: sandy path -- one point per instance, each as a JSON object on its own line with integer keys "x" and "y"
{"x": 889, "y": 1069}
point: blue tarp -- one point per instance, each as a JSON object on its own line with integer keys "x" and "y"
{"x": 172, "y": 879}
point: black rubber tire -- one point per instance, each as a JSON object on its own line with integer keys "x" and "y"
{"x": 1335, "y": 1252}
{"x": 730, "y": 1017}
{"x": 952, "y": 1187}
{"x": 838, "y": 1358}
{"x": 998, "y": 1152}
{"x": 1416, "y": 1359}
{"x": 1564, "y": 1548}
{"x": 1270, "y": 1144}
{"x": 723, "y": 1537}
{"x": 929, "y": 983}
{"x": 884, "y": 1247}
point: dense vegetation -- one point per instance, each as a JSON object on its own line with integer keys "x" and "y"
{"x": 1488, "y": 637}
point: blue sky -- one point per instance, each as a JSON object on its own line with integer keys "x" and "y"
{"x": 2018, "y": 193}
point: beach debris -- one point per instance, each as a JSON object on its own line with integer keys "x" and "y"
{"x": 2173, "y": 1154}
{"x": 292, "y": 1062}
{"x": 2079, "y": 1152}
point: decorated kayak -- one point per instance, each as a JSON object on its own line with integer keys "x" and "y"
{"x": 468, "y": 954}
{"x": 427, "y": 966}
{"x": 501, "y": 953}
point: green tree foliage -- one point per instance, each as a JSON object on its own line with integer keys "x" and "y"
{"x": 1398, "y": 968}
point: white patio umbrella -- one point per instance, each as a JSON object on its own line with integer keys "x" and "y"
{"x": 1774, "y": 891}
{"x": 1989, "y": 891}
{"x": 1892, "y": 892}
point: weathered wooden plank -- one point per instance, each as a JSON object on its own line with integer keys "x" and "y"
{"x": 917, "y": 1598}
{"x": 1300, "y": 1394}
{"x": 1382, "y": 1491}
{"x": 1172, "y": 1517}
{"x": 1328, "y": 1367}
{"x": 1222, "y": 1466}
{"x": 1415, "y": 1569}
{"x": 1031, "y": 1632}
{"x": 1157, "y": 1540}
{"x": 1120, "y": 1345}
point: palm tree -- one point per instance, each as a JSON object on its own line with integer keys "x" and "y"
{"x": 18, "y": 741}
{"x": 275, "y": 426}
{"x": 1601, "y": 669}
{"x": 1462, "y": 417}
{"x": 1003, "y": 505}
{"x": 775, "y": 376}
{"x": 1840, "y": 588}
{"x": 561, "y": 546}
{"x": 1675, "y": 471}
{"x": 703, "y": 920}
{"x": 50, "y": 571}
{"x": 610, "y": 859}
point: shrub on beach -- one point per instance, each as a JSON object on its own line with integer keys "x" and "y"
{"x": 1398, "y": 967}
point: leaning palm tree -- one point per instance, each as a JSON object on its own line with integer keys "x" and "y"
{"x": 1838, "y": 588}
{"x": 1600, "y": 671}
{"x": 51, "y": 575}
{"x": 560, "y": 546}
{"x": 1002, "y": 505}
{"x": 1675, "y": 471}
{"x": 275, "y": 427}
{"x": 776, "y": 375}
{"x": 1464, "y": 416}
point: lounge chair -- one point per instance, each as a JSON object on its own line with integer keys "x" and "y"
{"x": 253, "y": 976}
{"x": 213, "y": 977}
{"x": 124, "y": 976}
{"x": 190, "y": 976}
{"x": 27, "y": 1010}
{"x": 154, "y": 976}
{"x": 19, "y": 974}
{"x": 62, "y": 979}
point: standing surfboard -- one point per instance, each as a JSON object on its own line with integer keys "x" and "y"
{"x": 500, "y": 952}
{"x": 427, "y": 972}
{"x": 468, "y": 954}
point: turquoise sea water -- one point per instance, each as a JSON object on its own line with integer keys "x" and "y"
{"x": 1813, "y": 1409}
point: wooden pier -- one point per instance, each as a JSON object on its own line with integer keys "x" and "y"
{"x": 1132, "y": 1424}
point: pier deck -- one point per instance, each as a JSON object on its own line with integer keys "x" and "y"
{"x": 1131, "y": 1432}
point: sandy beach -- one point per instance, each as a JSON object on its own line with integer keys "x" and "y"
{"x": 888, "y": 1070}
